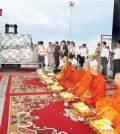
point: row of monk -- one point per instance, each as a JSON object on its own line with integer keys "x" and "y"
{"x": 90, "y": 86}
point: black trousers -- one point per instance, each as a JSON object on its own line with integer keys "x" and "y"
{"x": 57, "y": 62}
{"x": 41, "y": 60}
{"x": 116, "y": 67}
{"x": 104, "y": 63}
{"x": 82, "y": 60}
{"x": 78, "y": 58}
{"x": 57, "y": 70}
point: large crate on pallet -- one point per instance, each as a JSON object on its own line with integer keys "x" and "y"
{"x": 15, "y": 48}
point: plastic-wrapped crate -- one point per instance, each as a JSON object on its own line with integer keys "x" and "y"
{"x": 16, "y": 48}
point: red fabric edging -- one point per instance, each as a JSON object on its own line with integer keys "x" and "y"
{"x": 0, "y": 77}
{"x": 4, "y": 121}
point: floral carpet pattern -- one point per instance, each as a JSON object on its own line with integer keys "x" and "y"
{"x": 27, "y": 84}
{"x": 30, "y": 108}
{"x": 36, "y": 114}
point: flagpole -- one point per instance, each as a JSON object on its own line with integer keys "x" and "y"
{"x": 71, "y": 5}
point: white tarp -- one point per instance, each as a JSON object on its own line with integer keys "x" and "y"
{"x": 17, "y": 49}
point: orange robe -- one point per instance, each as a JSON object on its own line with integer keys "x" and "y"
{"x": 63, "y": 69}
{"x": 84, "y": 83}
{"x": 66, "y": 75}
{"x": 113, "y": 103}
{"x": 73, "y": 80}
{"x": 116, "y": 123}
{"x": 97, "y": 89}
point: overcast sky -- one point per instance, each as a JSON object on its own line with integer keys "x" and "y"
{"x": 48, "y": 20}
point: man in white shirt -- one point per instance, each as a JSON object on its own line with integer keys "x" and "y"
{"x": 50, "y": 54}
{"x": 104, "y": 58}
{"x": 72, "y": 59}
{"x": 41, "y": 52}
{"x": 116, "y": 59}
{"x": 83, "y": 53}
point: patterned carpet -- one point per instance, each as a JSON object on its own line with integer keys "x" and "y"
{"x": 0, "y": 77}
{"x": 30, "y": 108}
{"x": 27, "y": 84}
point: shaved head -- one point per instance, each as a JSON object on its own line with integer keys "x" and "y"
{"x": 65, "y": 59}
{"x": 74, "y": 67}
{"x": 95, "y": 68}
{"x": 117, "y": 79}
{"x": 69, "y": 63}
{"x": 86, "y": 66}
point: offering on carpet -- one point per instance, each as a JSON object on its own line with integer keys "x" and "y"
{"x": 102, "y": 126}
{"x": 82, "y": 109}
{"x": 40, "y": 73}
{"x": 56, "y": 88}
{"x": 49, "y": 81}
{"x": 67, "y": 97}
{"x": 50, "y": 74}
{"x": 44, "y": 77}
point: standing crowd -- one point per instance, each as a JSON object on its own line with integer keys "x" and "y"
{"x": 103, "y": 54}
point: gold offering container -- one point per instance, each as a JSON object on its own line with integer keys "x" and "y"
{"x": 66, "y": 97}
{"x": 82, "y": 109}
{"x": 56, "y": 88}
{"x": 99, "y": 128}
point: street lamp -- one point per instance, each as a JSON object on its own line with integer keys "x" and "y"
{"x": 71, "y": 5}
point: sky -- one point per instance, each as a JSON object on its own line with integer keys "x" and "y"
{"x": 49, "y": 20}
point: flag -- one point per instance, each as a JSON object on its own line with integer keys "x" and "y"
{"x": 0, "y": 12}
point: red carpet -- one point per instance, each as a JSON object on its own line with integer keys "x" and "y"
{"x": 0, "y": 77}
{"x": 37, "y": 114}
{"x": 110, "y": 85}
{"x": 30, "y": 108}
{"x": 29, "y": 83}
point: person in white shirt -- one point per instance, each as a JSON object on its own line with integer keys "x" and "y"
{"x": 58, "y": 69}
{"x": 72, "y": 60}
{"x": 83, "y": 53}
{"x": 104, "y": 58}
{"x": 116, "y": 60}
{"x": 50, "y": 54}
{"x": 72, "y": 48}
{"x": 93, "y": 61}
{"x": 41, "y": 52}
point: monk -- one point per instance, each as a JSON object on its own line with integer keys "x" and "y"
{"x": 110, "y": 107}
{"x": 63, "y": 69}
{"x": 116, "y": 123}
{"x": 83, "y": 84}
{"x": 73, "y": 79}
{"x": 67, "y": 73}
{"x": 97, "y": 87}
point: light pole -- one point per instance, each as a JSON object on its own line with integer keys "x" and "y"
{"x": 71, "y": 5}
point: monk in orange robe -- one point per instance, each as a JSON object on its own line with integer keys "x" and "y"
{"x": 83, "y": 84}
{"x": 110, "y": 107}
{"x": 97, "y": 88}
{"x": 67, "y": 74}
{"x": 116, "y": 123}
{"x": 73, "y": 79}
{"x": 63, "y": 69}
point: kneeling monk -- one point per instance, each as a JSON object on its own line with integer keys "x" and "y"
{"x": 63, "y": 69}
{"x": 67, "y": 74}
{"x": 73, "y": 79}
{"x": 97, "y": 88}
{"x": 110, "y": 107}
{"x": 84, "y": 83}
